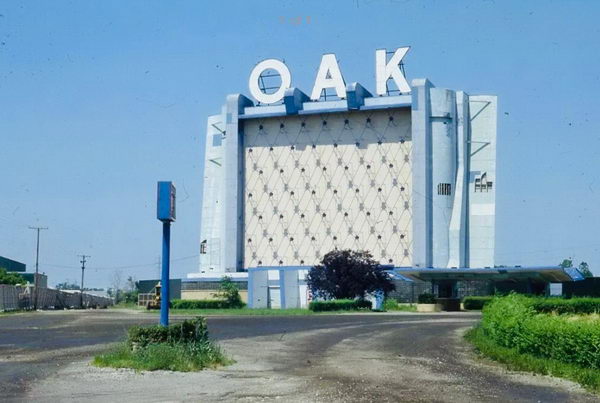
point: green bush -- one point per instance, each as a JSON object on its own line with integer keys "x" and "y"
{"x": 10, "y": 278}
{"x": 339, "y": 305}
{"x": 229, "y": 292}
{"x": 590, "y": 378}
{"x": 390, "y": 304}
{"x": 179, "y": 347}
{"x": 475, "y": 303}
{"x": 426, "y": 298}
{"x": 177, "y": 357}
{"x": 514, "y": 322}
{"x": 205, "y": 304}
{"x": 562, "y": 306}
{"x": 187, "y": 332}
{"x": 130, "y": 297}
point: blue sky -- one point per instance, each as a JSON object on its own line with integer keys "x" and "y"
{"x": 100, "y": 99}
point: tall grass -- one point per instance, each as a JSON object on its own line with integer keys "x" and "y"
{"x": 513, "y": 331}
{"x": 515, "y": 360}
{"x": 181, "y": 346}
{"x": 391, "y": 304}
{"x": 184, "y": 357}
{"x": 513, "y": 322}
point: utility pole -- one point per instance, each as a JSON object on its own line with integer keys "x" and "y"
{"x": 37, "y": 262}
{"x": 82, "y": 271}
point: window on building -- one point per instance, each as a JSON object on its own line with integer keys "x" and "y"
{"x": 444, "y": 189}
{"x": 217, "y": 140}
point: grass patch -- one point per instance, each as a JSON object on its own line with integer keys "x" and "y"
{"x": 391, "y": 304}
{"x": 184, "y": 357}
{"x": 513, "y": 360}
{"x": 15, "y": 312}
{"x": 183, "y": 346}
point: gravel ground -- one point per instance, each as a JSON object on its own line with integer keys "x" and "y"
{"x": 321, "y": 358}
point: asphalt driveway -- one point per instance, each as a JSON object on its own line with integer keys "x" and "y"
{"x": 351, "y": 357}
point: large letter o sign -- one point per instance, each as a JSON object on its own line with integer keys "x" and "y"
{"x": 286, "y": 81}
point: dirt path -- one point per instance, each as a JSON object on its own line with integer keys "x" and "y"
{"x": 368, "y": 357}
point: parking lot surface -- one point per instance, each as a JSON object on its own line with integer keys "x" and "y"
{"x": 45, "y": 356}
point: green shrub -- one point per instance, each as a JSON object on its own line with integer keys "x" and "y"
{"x": 426, "y": 298}
{"x": 189, "y": 331}
{"x": 10, "y": 278}
{"x": 339, "y": 305}
{"x": 514, "y": 322}
{"x": 390, "y": 304}
{"x": 475, "y": 303}
{"x": 205, "y": 304}
{"x": 130, "y": 297}
{"x": 179, "y": 347}
{"x": 229, "y": 292}
{"x": 562, "y": 306}
{"x": 590, "y": 378}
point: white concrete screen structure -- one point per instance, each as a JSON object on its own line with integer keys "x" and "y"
{"x": 408, "y": 175}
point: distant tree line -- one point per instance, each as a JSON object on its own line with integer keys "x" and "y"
{"x": 123, "y": 292}
{"x": 66, "y": 285}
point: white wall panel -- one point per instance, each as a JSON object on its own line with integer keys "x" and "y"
{"x": 318, "y": 182}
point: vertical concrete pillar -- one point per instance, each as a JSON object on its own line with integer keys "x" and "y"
{"x": 482, "y": 168}
{"x": 443, "y": 171}
{"x": 232, "y": 226}
{"x": 282, "y": 290}
{"x": 458, "y": 240}
{"x": 210, "y": 225}
{"x": 421, "y": 174}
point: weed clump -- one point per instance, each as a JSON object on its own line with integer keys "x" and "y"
{"x": 182, "y": 347}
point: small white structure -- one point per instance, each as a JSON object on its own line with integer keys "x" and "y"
{"x": 278, "y": 287}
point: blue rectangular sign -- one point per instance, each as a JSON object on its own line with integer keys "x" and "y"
{"x": 165, "y": 208}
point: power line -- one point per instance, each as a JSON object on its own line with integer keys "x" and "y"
{"x": 141, "y": 265}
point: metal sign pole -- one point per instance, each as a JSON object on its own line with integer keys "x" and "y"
{"x": 164, "y": 290}
{"x": 165, "y": 212}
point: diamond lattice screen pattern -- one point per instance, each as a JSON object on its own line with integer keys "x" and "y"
{"x": 319, "y": 182}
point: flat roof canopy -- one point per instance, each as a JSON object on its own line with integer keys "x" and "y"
{"x": 552, "y": 274}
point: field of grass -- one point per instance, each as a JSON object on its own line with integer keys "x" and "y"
{"x": 177, "y": 357}
{"x": 513, "y": 360}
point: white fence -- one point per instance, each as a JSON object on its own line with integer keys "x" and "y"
{"x": 22, "y": 297}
